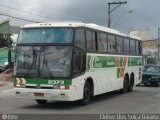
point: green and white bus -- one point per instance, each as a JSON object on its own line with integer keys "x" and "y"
{"x": 70, "y": 61}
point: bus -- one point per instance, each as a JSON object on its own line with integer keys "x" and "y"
{"x": 74, "y": 61}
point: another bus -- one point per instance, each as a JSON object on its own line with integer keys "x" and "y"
{"x": 74, "y": 61}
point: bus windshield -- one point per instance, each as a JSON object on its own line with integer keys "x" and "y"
{"x": 43, "y": 61}
{"x": 45, "y": 35}
{"x": 151, "y": 69}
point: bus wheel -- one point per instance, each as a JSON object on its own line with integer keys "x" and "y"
{"x": 41, "y": 102}
{"x": 131, "y": 84}
{"x": 125, "y": 85}
{"x": 87, "y": 94}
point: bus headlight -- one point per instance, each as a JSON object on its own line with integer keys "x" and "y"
{"x": 19, "y": 85}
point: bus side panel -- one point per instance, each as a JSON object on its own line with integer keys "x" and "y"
{"x": 111, "y": 70}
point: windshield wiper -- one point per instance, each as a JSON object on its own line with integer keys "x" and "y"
{"x": 34, "y": 62}
{"x": 46, "y": 64}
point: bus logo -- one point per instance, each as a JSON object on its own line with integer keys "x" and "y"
{"x": 38, "y": 86}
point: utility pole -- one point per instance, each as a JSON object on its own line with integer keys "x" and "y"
{"x": 158, "y": 44}
{"x": 111, "y": 10}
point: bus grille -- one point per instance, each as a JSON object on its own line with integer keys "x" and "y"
{"x": 35, "y": 87}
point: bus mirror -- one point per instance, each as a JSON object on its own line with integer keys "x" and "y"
{"x": 6, "y": 64}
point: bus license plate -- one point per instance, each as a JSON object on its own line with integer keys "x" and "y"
{"x": 39, "y": 94}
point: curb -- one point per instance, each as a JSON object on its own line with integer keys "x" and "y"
{"x": 4, "y": 83}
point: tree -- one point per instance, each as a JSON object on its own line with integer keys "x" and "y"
{"x": 5, "y": 40}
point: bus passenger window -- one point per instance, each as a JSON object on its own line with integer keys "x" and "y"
{"x": 91, "y": 41}
{"x": 126, "y": 46}
{"x": 117, "y": 47}
{"x": 133, "y": 46}
{"x": 119, "y": 42}
{"x": 111, "y": 44}
{"x": 79, "y": 38}
{"x": 79, "y": 62}
{"x": 102, "y": 43}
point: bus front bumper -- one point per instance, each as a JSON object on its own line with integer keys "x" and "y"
{"x": 44, "y": 94}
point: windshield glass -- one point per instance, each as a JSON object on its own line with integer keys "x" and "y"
{"x": 45, "y": 35}
{"x": 151, "y": 69}
{"x": 44, "y": 61}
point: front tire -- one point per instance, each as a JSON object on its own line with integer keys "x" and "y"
{"x": 87, "y": 94}
{"x": 41, "y": 102}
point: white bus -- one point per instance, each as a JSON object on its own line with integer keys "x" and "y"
{"x": 70, "y": 61}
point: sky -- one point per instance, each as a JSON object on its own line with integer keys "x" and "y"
{"x": 144, "y": 15}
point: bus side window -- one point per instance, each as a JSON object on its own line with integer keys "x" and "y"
{"x": 80, "y": 38}
{"x": 133, "y": 46}
{"x": 119, "y": 42}
{"x": 76, "y": 63}
{"x": 117, "y": 47}
{"x": 102, "y": 43}
{"x": 79, "y": 62}
{"x": 111, "y": 44}
{"x": 91, "y": 40}
{"x": 126, "y": 46}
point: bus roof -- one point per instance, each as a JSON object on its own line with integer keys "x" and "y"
{"x": 75, "y": 24}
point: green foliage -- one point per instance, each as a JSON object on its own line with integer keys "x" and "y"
{"x": 5, "y": 41}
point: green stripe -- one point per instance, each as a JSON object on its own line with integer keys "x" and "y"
{"x": 88, "y": 62}
{"x": 121, "y": 61}
{"x": 110, "y": 61}
{"x": 47, "y": 81}
{"x": 102, "y": 62}
{"x": 134, "y": 61}
{"x": 118, "y": 72}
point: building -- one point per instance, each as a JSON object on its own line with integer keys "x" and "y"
{"x": 152, "y": 44}
{"x": 4, "y": 56}
{"x": 150, "y": 51}
{"x": 143, "y": 34}
{"x": 7, "y": 28}
{"x": 149, "y": 47}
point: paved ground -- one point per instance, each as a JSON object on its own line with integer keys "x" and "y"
{"x": 142, "y": 100}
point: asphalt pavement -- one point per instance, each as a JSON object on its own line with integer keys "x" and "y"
{"x": 143, "y": 100}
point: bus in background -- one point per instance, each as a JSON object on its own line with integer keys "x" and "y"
{"x": 70, "y": 61}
